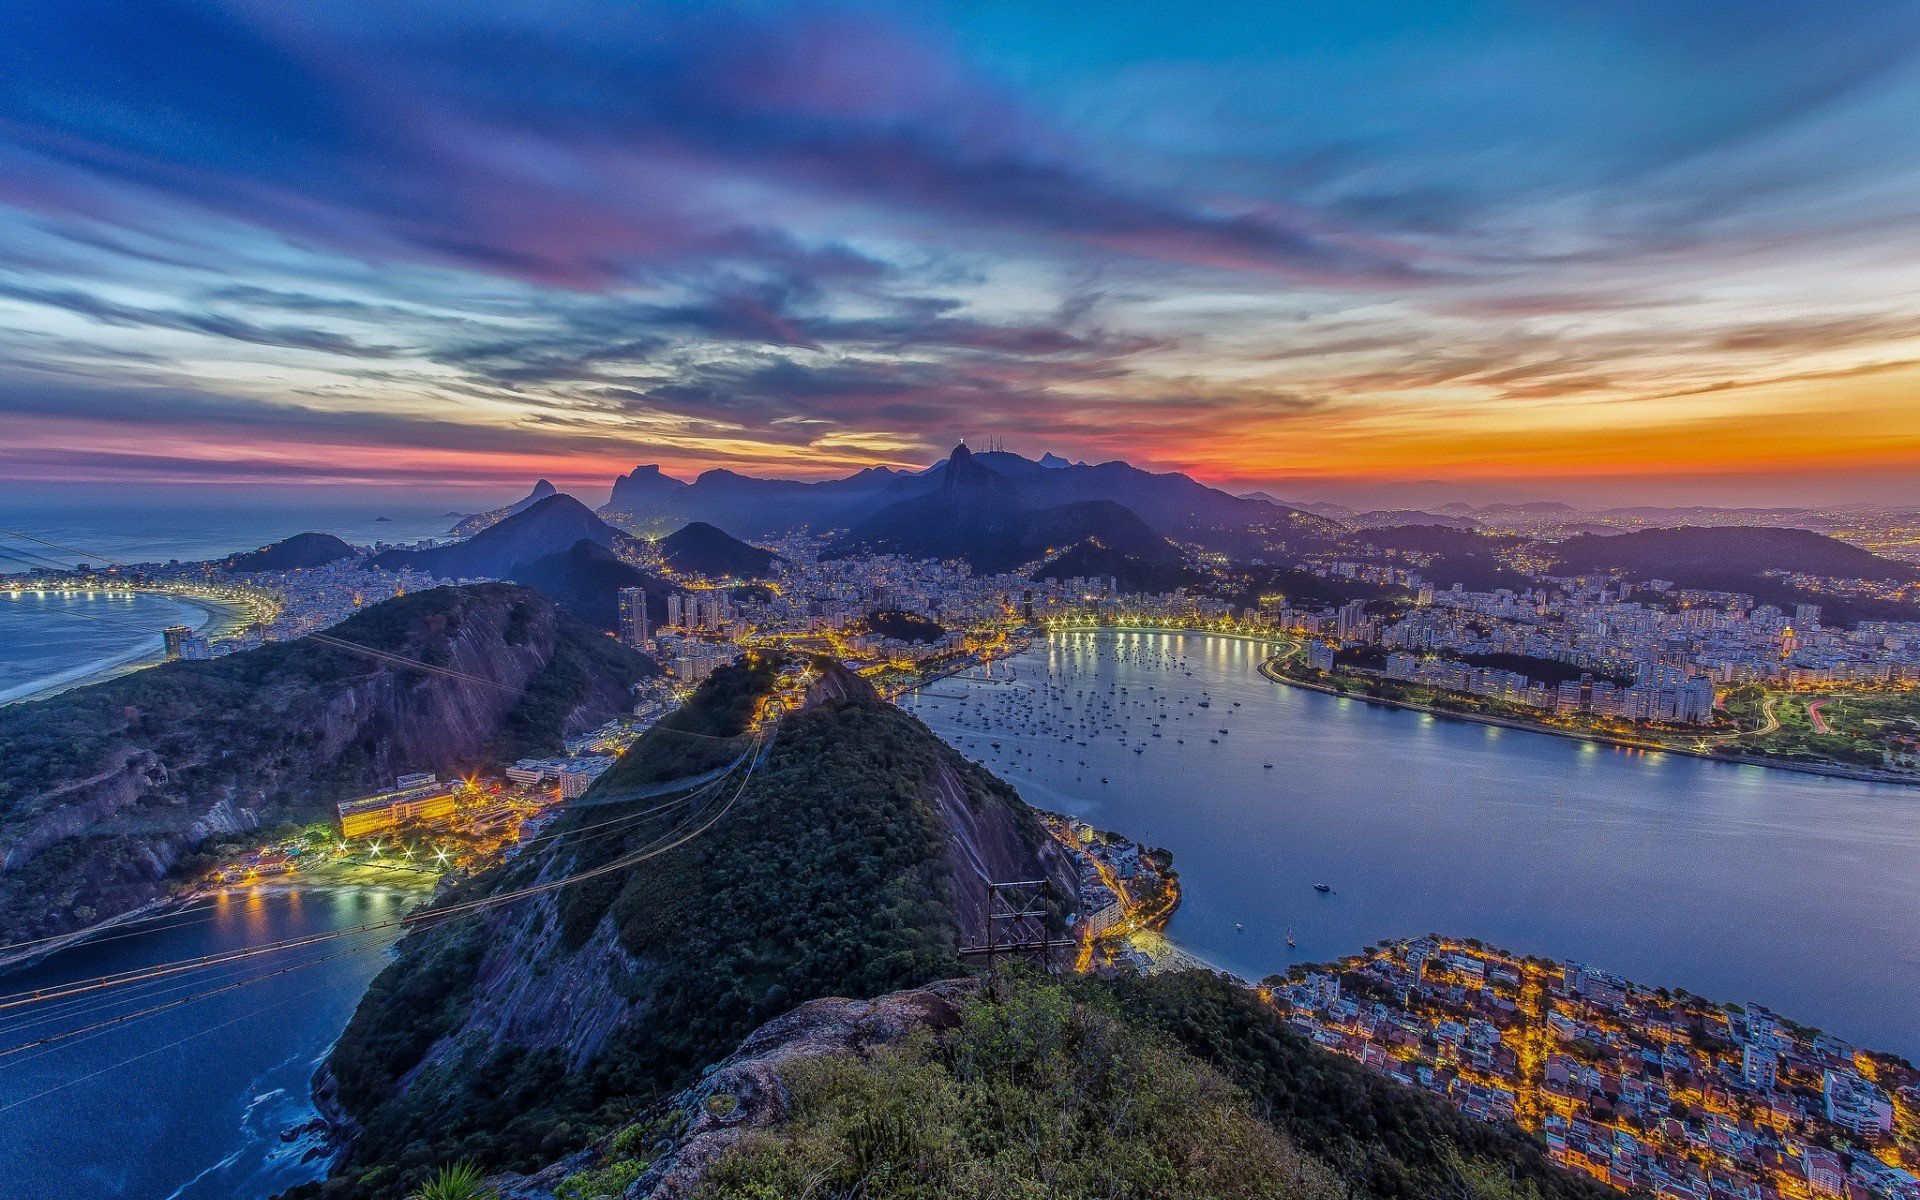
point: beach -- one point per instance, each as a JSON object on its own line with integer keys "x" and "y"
{"x": 53, "y": 643}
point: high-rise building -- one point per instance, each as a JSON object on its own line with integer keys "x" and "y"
{"x": 677, "y": 610}
{"x": 1349, "y": 620}
{"x": 182, "y": 642}
{"x": 633, "y": 617}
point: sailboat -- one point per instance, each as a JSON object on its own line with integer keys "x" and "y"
{"x": 1290, "y": 940}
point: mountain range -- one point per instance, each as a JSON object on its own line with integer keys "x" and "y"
{"x": 706, "y": 550}
{"x": 297, "y": 553}
{"x": 1173, "y": 505}
{"x": 106, "y": 790}
{"x": 546, "y": 526}
{"x": 585, "y": 581}
{"x": 780, "y": 1008}
{"x": 469, "y": 525}
{"x": 979, "y": 516}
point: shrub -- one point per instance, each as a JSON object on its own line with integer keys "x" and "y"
{"x": 1037, "y": 1095}
{"x": 610, "y": 1180}
{"x": 460, "y": 1181}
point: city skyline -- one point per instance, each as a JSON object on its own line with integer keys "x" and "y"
{"x": 1641, "y": 253}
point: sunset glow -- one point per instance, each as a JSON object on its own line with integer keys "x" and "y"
{"x": 1293, "y": 248}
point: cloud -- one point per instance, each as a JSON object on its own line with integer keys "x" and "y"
{"x": 578, "y": 149}
{"x": 845, "y": 233}
{"x": 213, "y": 324}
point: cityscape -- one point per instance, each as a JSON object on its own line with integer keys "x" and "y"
{"x": 1649, "y": 1091}
{"x": 857, "y": 600}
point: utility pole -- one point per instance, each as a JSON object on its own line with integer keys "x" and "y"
{"x": 1016, "y": 924}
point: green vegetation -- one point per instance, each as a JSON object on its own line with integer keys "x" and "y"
{"x": 1386, "y": 1140}
{"x": 1173, "y": 1087}
{"x": 608, "y": 1181}
{"x": 285, "y": 731}
{"x": 1042, "y": 1093}
{"x": 826, "y": 878}
{"x": 904, "y": 626}
{"x": 1545, "y": 670}
{"x": 1859, "y": 724}
{"x": 461, "y": 1181}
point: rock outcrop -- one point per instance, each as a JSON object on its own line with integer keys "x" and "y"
{"x": 744, "y": 1093}
{"x": 853, "y": 861}
{"x": 105, "y": 790}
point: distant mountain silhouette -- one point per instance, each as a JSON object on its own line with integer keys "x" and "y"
{"x": 1411, "y": 516}
{"x": 470, "y": 525}
{"x": 753, "y": 506}
{"x": 1463, "y": 556}
{"x": 546, "y": 527}
{"x": 703, "y": 549}
{"x": 1529, "y": 508}
{"x": 978, "y": 516}
{"x": 1691, "y": 553}
{"x": 1737, "y": 558}
{"x": 296, "y": 553}
{"x": 585, "y": 580}
{"x": 1174, "y": 505}
{"x": 1091, "y": 559}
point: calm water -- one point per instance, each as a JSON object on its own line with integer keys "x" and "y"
{"x": 190, "y": 1102}
{"x": 1739, "y": 883}
{"x": 46, "y": 641}
{"x": 191, "y": 533}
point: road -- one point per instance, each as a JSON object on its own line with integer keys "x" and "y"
{"x": 1813, "y": 715}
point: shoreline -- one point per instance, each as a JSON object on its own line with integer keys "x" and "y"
{"x": 1855, "y": 774}
{"x": 221, "y": 619}
{"x": 31, "y": 953}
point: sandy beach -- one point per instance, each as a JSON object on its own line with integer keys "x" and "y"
{"x": 217, "y": 619}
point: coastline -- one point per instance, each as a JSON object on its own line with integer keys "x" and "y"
{"x": 1857, "y": 774}
{"x": 220, "y": 619}
{"x": 29, "y": 953}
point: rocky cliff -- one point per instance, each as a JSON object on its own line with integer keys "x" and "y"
{"x": 106, "y": 791}
{"x": 851, "y": 861}
{"x": 745, "y": 1093}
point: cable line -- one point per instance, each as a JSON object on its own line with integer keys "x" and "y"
{"x": 165, "y": 970}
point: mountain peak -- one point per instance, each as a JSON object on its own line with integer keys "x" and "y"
{"x": 542, "y": 490}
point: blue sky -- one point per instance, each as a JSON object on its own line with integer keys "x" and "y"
{"x": 1656, "y": 248}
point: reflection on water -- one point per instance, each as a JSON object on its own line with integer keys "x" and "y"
{"x": 188, "y": 1101}
{"x": 1736, "y": 882}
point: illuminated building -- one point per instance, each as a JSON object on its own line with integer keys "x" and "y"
{"x": 429, "y": 801}
{"x": 633, "y": 617}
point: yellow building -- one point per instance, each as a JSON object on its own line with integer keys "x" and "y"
{"x": 379, "y": 813}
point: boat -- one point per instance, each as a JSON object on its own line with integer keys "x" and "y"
{"x": 1290, "y": 940}
{"x": 1266, "y": 766}
{"x": 1322, "y": 887}
{"x": 1239, "y": 928}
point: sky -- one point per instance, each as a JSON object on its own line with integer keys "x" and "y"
{"x": 1641, "y": 250}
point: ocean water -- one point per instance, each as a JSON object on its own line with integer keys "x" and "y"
{"x": 47, "y": 641}
{"x": 104, "y": 533}
{"x": 192, "y": 1102}
{"x": 1739, "y": 883}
